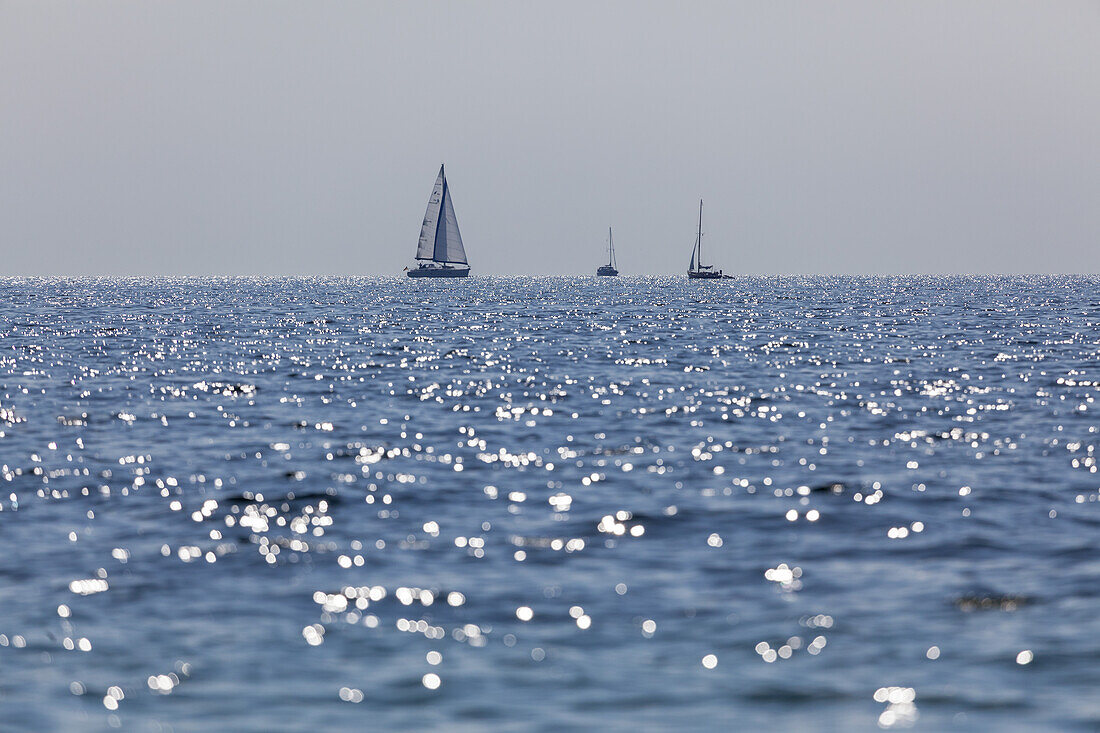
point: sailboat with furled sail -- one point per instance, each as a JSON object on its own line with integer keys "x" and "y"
{"x": 439, "y": 252}
{"x": 697, "y": 270}
{"x": 608, "y": 270}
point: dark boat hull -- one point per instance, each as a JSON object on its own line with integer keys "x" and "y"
{"x": 707, "y": 275}
{"x": 439, "y": 272}
{"x": 607, "y": 271}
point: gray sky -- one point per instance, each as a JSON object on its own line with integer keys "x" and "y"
{"x": 283, "y": 138}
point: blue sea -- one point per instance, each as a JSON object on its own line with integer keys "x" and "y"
{"x": 542, "y": 504}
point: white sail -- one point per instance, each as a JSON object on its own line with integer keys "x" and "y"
{"x": 448, "y": 240}
{"x": 697, "y": 251}
{"x": 426, "y": 248}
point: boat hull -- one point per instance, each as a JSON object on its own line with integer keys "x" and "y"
{"x": 607, "y": 271}
{"x": 707, "y": 275}
{"x": 439, "y": 272}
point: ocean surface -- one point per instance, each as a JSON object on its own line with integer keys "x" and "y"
{"x": 550, "y": 504}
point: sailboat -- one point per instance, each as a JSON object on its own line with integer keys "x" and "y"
{"x": 697, "y": 270}
{"x": 609, "y": 270}
{"x": 440, "y": 252}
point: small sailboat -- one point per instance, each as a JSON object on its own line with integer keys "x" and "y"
{"x": 440, "y": 252}
{"x": 697, "y": 270}
{"x": 608, "y": 270}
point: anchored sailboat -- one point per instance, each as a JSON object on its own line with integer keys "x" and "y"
{"x": 609, "y": 270}
{"x": 697, "y": 270}
{"x": 440, "y": 252}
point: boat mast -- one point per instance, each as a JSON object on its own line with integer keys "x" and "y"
{"x": 610, "y": 249}
{"x": 699, "y": 236}
{"x": 439, "y": 211}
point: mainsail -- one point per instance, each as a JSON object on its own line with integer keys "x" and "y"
{"x": 440, "y": 239}
{"x": 448, "y": 240}
{"x": 697, "y": 250}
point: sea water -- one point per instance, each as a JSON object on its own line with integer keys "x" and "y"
{"x": 550, "y": 503}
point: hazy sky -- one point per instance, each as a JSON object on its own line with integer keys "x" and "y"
{"x": 154, "y": 137}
